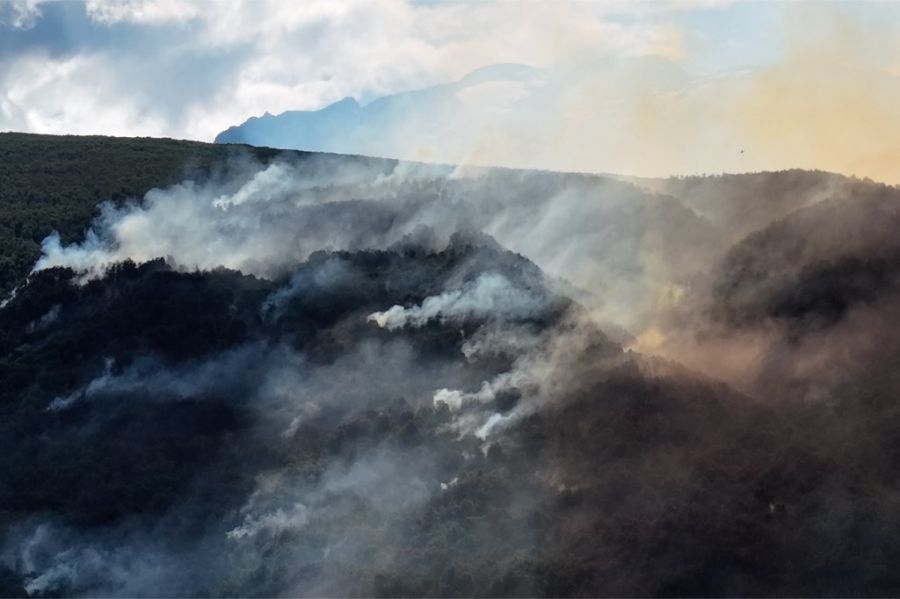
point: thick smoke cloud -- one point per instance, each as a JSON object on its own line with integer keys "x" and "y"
{"x": 222, "y": 224}
{"x": 596, "y": 233}
{"x": 798, "y": 309}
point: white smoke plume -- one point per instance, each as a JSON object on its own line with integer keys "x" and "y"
{"x": 489, "y": 296}
{"x": 621, "y": 248}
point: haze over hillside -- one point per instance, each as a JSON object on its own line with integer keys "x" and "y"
{"x": 498, "y": 299}
{"x": 313, "y": 374}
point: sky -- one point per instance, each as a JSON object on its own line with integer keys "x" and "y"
{"x": 191, "y": 68}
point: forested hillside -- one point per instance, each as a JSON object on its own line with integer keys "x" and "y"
{"x": 216, "y": 434}
{"x": 321, "y": 375}
{"x": 54, "y": 183}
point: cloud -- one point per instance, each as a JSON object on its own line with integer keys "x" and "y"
{"x": 184, "y": 69}
{"x": 35, "y": 83}
{"x": 255, "y": 56}
{"x": 20, "y": 14}
{"x": 142, "y": 11}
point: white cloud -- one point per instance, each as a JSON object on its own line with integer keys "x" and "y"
{"x": 142, "y": 11}
{"x": 19, "y": 14}
{"x": 75, "y": 95}
{"x": 192, "y": 68}
{"x": 267, "y": 55}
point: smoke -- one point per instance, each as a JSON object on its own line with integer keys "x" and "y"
{"x": 315, "y": 439}
{"x": 147, "y": 377}
{"x": 822, "y": 101}
{"x": 217, "y": 224}
{"x": 375, "y": 397}
{"x": 643, "y": 263}
{"x": 489, "y": 296}
{"x": 594, "y": 233}
{"x": 794, "y": 312}
{"x": 816, "y": 91}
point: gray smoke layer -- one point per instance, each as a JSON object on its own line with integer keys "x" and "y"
{"x": 598, "y": 234}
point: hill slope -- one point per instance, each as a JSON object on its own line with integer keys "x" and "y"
{"x": 55, "y": 183}
{"x": 214, "y": 433}
{"x": 307, "y": 374}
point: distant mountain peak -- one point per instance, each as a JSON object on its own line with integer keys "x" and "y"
{"x": 346, "y": 126}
